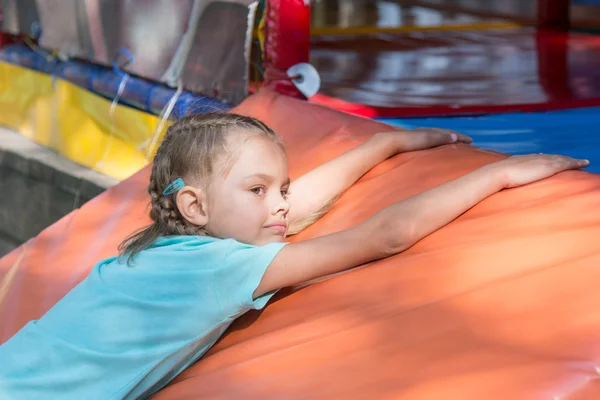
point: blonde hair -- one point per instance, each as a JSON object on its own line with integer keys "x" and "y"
{"x": 192, "y": 146}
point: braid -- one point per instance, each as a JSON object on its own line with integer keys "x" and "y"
{"x": 165, "y": 213}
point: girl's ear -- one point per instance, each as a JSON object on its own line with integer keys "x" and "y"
{"x": 192, "y": 204}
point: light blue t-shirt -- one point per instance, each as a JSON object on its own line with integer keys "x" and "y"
{"x": 127, "y": 330}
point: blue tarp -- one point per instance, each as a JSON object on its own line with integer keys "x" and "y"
{"x": 139, "y": 93}
{"x": 574, "y": 132}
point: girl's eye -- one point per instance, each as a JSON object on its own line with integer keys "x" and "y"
{"x": 284, "y": 193}
{"x": 259, "y": 190}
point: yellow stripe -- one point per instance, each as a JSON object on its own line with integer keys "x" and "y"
{"x": 75, "y": 122}
{"x": 370, "y": 30}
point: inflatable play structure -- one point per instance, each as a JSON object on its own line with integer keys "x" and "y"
{"x": 500, "y": 304}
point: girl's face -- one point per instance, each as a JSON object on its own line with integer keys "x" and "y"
{"x": 249, "y": 203}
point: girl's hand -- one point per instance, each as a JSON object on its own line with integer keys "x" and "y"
{"x": 423, "y": 138}
{"x": 521, "y": 170}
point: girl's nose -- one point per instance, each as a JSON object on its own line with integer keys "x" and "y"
{"x": 282, "y": 206}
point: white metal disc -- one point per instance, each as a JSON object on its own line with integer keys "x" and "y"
{"x": 307, "y": 79}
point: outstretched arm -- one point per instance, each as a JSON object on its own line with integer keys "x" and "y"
{"x": 399, "y": 226}
{"x": 313, "y": 194}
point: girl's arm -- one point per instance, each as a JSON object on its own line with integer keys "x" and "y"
{"x": 312, "y": 194}
{"x": 399, "y": 226}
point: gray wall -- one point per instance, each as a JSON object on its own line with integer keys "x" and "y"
{"x": 38, "y": 187}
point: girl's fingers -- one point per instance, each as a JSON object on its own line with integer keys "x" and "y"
{"x": 460, "y": 137}
{"x": 464, "y": 138}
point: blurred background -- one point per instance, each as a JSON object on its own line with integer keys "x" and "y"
{"x": 87, "y": 88}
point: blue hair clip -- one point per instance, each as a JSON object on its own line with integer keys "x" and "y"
{"x": 173, "y": 187}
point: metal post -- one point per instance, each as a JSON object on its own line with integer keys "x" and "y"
{"x": 553, "y": 14}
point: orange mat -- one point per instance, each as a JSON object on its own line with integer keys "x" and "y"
{"x": 503, "y": 303}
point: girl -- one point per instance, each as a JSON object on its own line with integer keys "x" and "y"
{"x": 222, "y": 205}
